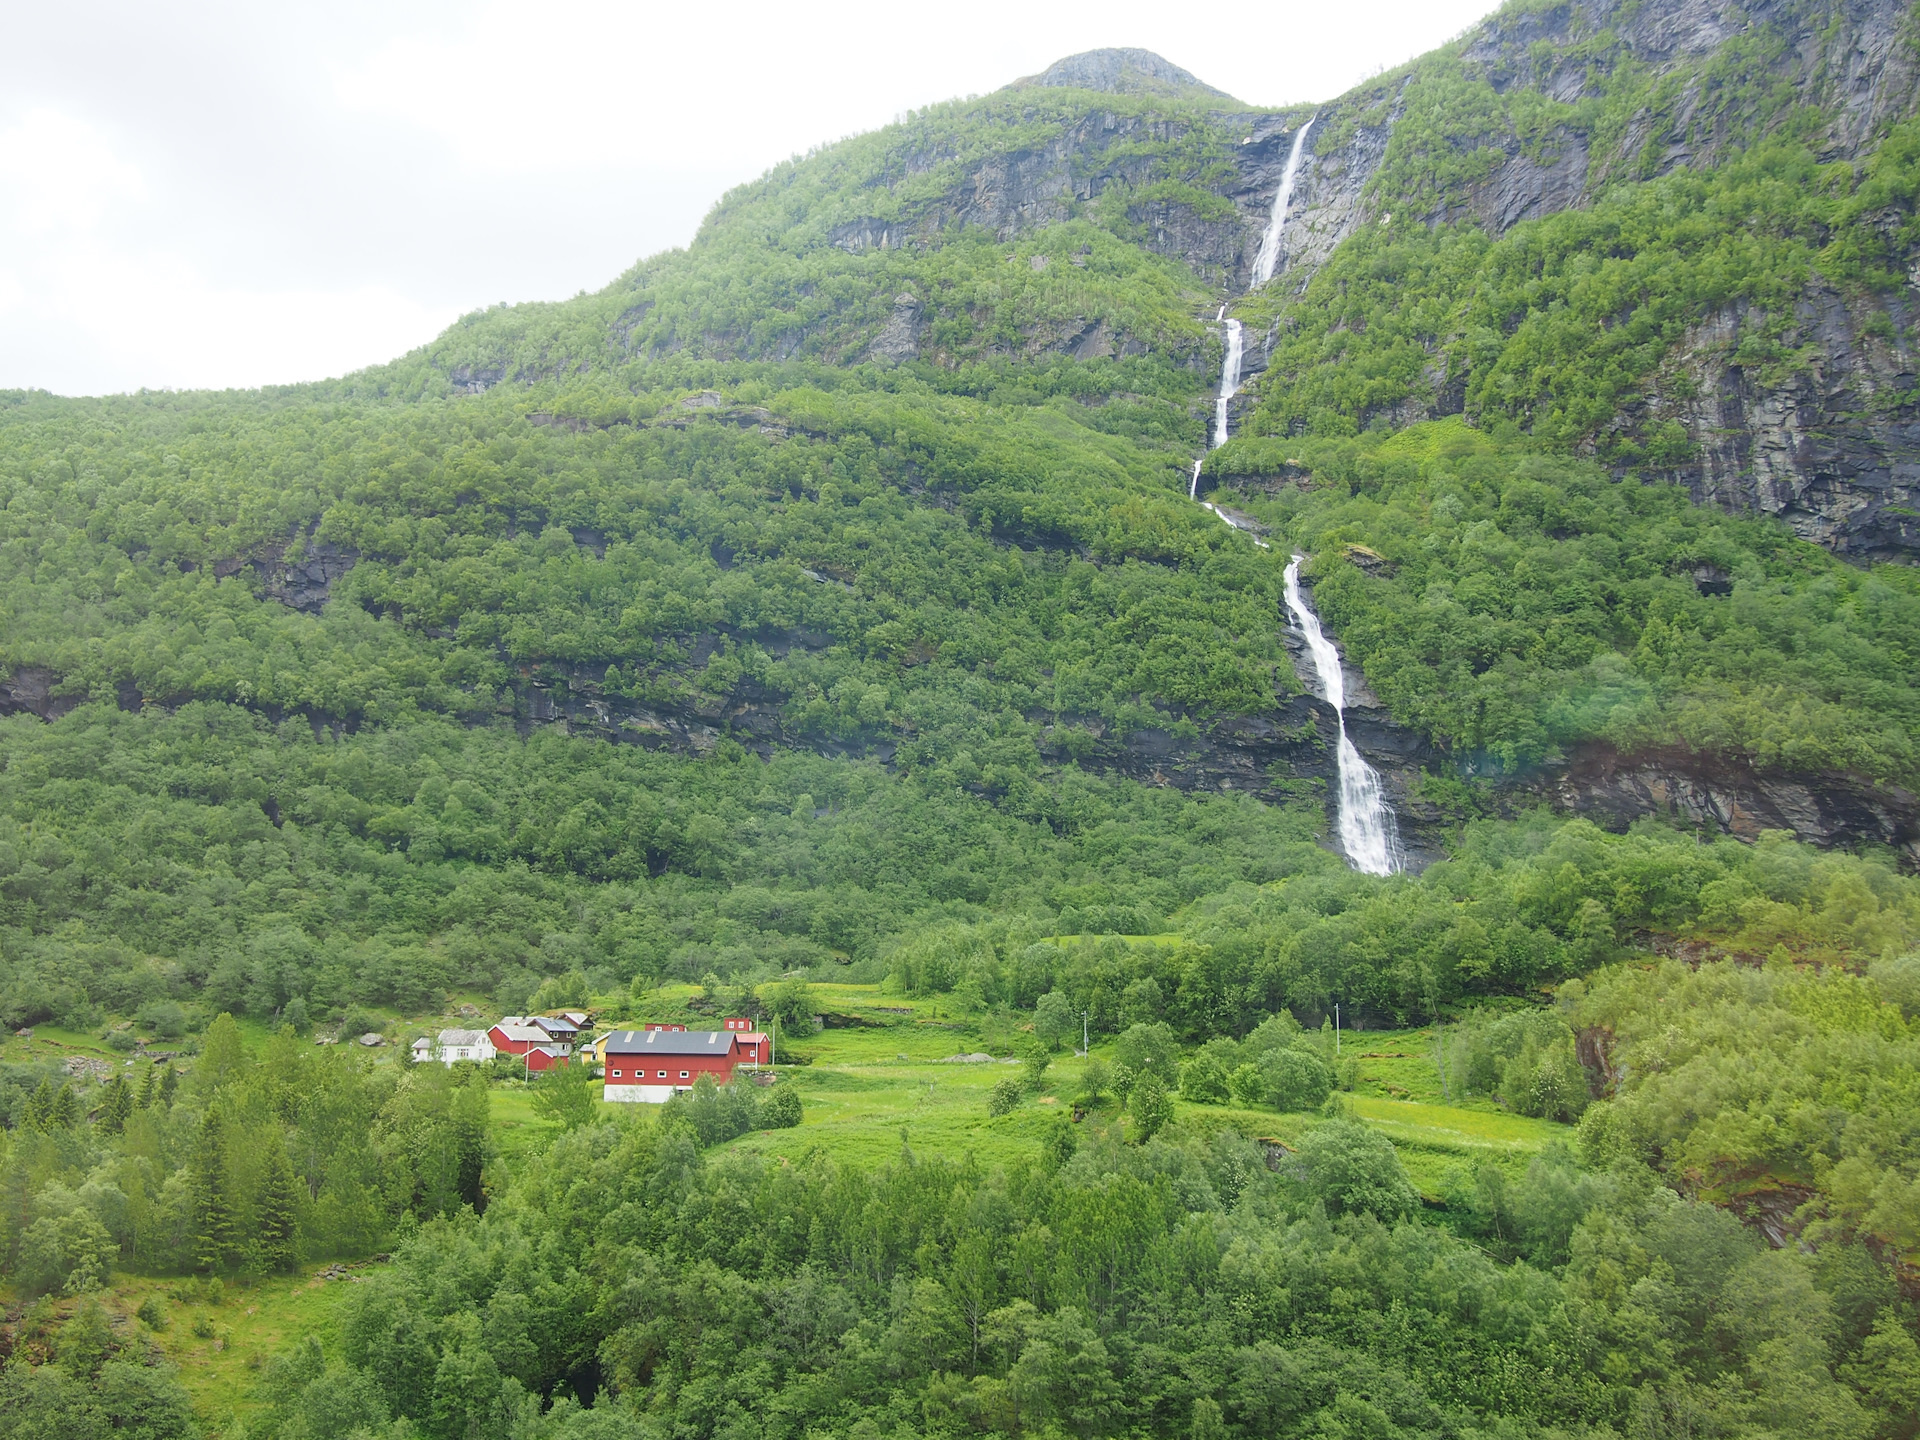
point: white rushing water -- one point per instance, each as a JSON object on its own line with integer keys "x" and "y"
{"x": 1268, "y": 255}
{"x": 1367, "y": 830}
{"x": 1229, "y": 381}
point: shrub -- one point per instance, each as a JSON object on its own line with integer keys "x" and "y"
{"x": 1353, "y": 1170}
{"x": 1295, "y": 1079}
{"x": 1150, "y": 1108}
{"x": 70, "y": 1253}
{"x": 1005, "y": 1095}
{"x": 1203, "y": 1080}
{"x": 782, "y": 1110}
{"x": 153, "y": 1313}
{"x": 163, "y": 1019}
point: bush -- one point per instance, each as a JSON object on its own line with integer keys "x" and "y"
{"x": 1526, "y": 1059}
{"x": 70, "y": 1253}
{"x": 163, "y": 1019}
{"x": 1295, "y": 1080}
{"x": 1353, "y": 1170}
{"x": 791, "y": 1003}
{"x": 153, "y": 1313}
{"x": 1150, "y": 1050}
{"x": 782, "y": 1110}
{"x": 715, "y": 1113}
{"x": 1203, "y": 1080}
{"x": 1150, "y": 1108}
{"x": 1005, "y": 1095}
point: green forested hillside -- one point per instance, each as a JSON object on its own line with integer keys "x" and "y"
{"x": 827, "y": 604}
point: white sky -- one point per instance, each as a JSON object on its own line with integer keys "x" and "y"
{"x": 226, "y": 192}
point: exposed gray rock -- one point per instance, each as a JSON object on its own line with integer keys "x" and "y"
{"x": 1720, "y": 795}
{"x": 1123, "y": 72}
{"x": 900, "y": 340}
{"x": 1833, "y": 450}
{"x": 29, "y": 691}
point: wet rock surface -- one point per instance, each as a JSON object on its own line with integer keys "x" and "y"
{"x": 1719, "y": 794}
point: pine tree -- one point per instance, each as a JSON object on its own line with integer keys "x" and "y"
{"x": 169, "y": 1083}
{"x": 278, "y": 1213}
{"x": 115, "y": 1109}
{"x": 148, "y": 1087}
{"x": 38, "y": 1115}
{"x": 223, "y": 1056}
{"x": 67, "y": 1110}
{"x": 215, "y": 1225}
{"x": 468, "y": 1117}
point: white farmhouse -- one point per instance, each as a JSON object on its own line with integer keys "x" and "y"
{"x": 450, "y": 1046}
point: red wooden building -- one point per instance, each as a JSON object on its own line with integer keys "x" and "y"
{"x": 650, "y": 1065}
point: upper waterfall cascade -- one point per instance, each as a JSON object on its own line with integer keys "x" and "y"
{"x": 1368, "y": 832}
{"x": 1268, "y": 256}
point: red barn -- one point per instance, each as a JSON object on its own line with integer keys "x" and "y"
{"x": 545, "y": 1057}
{"x": 515, "y": 1035}
{"x": 756, "y": 1048}
{"x": 650, "y": 1065}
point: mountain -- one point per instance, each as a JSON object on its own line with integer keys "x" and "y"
{"x": 888, "y": 479}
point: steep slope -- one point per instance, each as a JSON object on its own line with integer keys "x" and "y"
{"x": 893, "y": 461}
{"x": 1763, "y": 357}
{"x": 1761, "y": 352}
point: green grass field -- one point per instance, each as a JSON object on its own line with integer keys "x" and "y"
{"x": 220, "y": 1346}
{"x": 864, "y": 1086}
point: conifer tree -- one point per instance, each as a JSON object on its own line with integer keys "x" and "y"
{"x": 67, "y": 1110}
{"x": 38, "y": 1115}
{"x": 115, "y": 1109}
{"x": 468, "y": 1115}
{"x": 278, "y": 1213}
{"x": 223, "y": 1056}
{"x": 215, "y": 1224}
{"x": 169, "y": 1083}
{"x": 148, "y": 1087}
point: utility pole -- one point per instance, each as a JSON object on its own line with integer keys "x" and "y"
{"x": 1336, "y": 1030}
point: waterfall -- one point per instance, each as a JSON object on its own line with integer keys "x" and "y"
{"x": 1229, "y": 382}
{"x": 1367, "y": 830}
{"x": 1269, "y": 253}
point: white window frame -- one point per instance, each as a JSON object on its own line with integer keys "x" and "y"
{"x": 684, "y": 1074}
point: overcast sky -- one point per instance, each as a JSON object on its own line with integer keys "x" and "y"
{"x": 225, "y": 193}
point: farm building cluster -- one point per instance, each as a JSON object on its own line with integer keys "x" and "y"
{"x": 647, "y": 1065}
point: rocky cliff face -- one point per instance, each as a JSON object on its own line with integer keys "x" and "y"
{"x": 1834, "y": 452}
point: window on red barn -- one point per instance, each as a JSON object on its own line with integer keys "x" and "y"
{"x": 684, "y": 1074}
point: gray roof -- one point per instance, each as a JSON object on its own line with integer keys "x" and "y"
{"x": 670, "y": 1042}
{"x": 462, "y": 1037}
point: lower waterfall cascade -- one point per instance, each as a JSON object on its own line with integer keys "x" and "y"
{"x": 1369, "y": 834}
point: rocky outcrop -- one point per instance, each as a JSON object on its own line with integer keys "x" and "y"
{"x": 29, "y": 691}
{"x": 1717, "y": 793}
{"x": 299, "y": 571}
{"x": 1123, "y": 72}
{"x": 1832, "y": 449}
{"x": 900, "y": 340}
